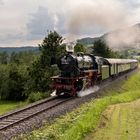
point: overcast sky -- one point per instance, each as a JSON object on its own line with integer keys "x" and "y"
{"x": 26, "y": 22}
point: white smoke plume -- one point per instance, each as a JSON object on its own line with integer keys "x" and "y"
{"x": 83, "y": 92}
{"x": 88, "y": 91}
{"x": 128, "y": 37}
{"x": 89, "y": 16}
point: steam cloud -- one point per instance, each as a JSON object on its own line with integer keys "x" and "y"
{"x": 92, "y": 17}
{"x": 101, "y": 14}
{"x": 88, "y": 91}
{"x": 1, "y": 2}
{"x": 128, "y": 37}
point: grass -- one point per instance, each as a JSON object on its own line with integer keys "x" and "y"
{"x": 6, "y": 106}
{"x": 77, "y": 124}
{"x": 120, "y": 122}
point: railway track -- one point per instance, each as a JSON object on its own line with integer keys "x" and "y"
{"x": 15, "y": 118}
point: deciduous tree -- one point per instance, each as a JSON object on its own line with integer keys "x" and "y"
{"x": 79, "y": 48}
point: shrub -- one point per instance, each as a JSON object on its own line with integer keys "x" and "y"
{"x": 12, "y": 82}
{"x": 35, "y": 96}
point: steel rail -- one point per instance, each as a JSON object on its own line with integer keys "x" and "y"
{"x": 28, "y": 116}
{"x": 27, "y": 108}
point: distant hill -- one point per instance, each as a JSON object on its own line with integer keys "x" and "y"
{"x": 87, "y": 40}
{"x": 19, "y": 49}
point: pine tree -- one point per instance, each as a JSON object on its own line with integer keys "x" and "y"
{"x": 41, "y": 70}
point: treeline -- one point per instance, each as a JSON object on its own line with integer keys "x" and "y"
{"x": 26, "y": 57}
{"x": 14, "y": 74}
{"x": 13, "y": 80}
{"x": 100, "y": 48}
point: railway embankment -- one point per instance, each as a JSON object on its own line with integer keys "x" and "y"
{"x": 87, "y": 118}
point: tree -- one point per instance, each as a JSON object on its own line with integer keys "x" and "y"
{"x": 101, "y": 49}
{"x": 14, "y": 58}
{"x": 4, "y": 58}
{"x": 41, "y": 70}
{"x": 79, "y": 48}
{"x": 50, "y": 47}
{"x": 12, "y": 83}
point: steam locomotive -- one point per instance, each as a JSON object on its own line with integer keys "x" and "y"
{"x": 81, "y": 71}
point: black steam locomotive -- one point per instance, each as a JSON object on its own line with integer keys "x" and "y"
{"x": 81, "y": 71}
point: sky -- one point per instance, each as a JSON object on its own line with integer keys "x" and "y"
{"x": 27, "y": 22}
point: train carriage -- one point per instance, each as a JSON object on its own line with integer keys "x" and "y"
{"x": 122, "y": 65}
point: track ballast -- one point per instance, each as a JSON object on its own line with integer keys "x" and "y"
{"x": 14, "y": 119}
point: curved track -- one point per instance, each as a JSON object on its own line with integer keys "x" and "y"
{"x": 15, "y": 118}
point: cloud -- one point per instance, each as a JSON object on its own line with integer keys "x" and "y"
{"x": 76, "y": 17}
{"x": 1, "y": 2}
{"x": 40, "y": 22}
{"x": 12, "y": 38}
{"x": 132, "y": 4}
{"x": 45, "y": 20}
{"x": 26, "y": 20}
{"x": 87, "y": 18}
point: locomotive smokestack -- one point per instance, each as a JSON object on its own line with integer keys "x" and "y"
{"x": 70, "y": 47}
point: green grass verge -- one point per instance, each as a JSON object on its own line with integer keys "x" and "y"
{"x": 75, "y": 125}
{"x": 120, "y": 122}
{"x": 6, "y": 106}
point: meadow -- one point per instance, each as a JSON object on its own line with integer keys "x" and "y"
{"x": 6, "y": 106}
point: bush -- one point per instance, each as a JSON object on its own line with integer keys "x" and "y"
{"x": 35, "y": 96}
{"x": 12, "y": 82}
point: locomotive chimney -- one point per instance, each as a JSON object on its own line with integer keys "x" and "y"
{"x": 70, "y": 47}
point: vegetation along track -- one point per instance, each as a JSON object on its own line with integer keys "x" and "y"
{"x": 13, "y": 120}
{"x": 38, "y": 119}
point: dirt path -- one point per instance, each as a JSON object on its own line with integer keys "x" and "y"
{"x": 119, "y": 122}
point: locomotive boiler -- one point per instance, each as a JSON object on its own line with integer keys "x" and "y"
{"x": 72, "y": 65}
